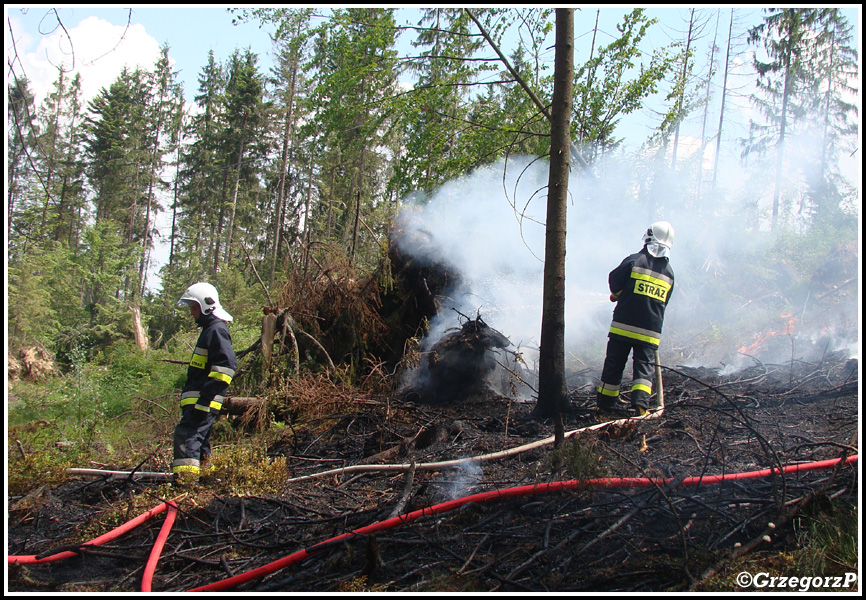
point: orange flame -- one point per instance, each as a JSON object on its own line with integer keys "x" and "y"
{"x": 760, "y": 341}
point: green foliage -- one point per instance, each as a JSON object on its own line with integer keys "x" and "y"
{"x": 21, "y": 137}
{"x": 243, "y": 469}
{"x": 804, "y": 76}
{"x": 433, "y": 116}
{"x": 353, "y": 70}
{"x": 31, "y": 317}
{"x": 102, "y": 267}
{"x": 605, "y": 90}
{"x": 128, "y": 371}
{"x": 353, "y": 140}
{"x": 829, "y": 541}
{"x": 97, "y": 399}
{"x": 578, "y": 458}
{"x": 242, "y": 296}
{"x": 126, "y": 140}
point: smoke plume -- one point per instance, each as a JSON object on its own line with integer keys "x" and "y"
{"x": 489, "y": 226}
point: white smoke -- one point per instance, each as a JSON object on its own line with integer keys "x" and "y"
{"x": 456, "y": 483}
{"x": 489, "y": 226}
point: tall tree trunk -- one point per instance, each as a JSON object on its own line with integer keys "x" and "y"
{"x": 706, "y": 112}
{"x": 681, "y": 98}
{"x": 166, "y": 288}
{"x": 235, "y": 192}
{"x": 780, "y": 145}
{"x": 724, "y": 96}
{"x": 308, "y": 231}
{"x": 52, "y": 151}
{"x": 284, "y": 164}
{"x": 551, "y": 368}
{"x": 145, "y": 238}
{"x": 217, "y": 228}
{"x": 71, "y": 150}
{"x": 360, "y": 186}
{"x": 173, "y": 236}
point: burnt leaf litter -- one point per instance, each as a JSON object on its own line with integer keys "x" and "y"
{"x": 662, "y": 537}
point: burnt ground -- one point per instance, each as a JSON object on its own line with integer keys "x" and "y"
{"x": 658, "y": 538}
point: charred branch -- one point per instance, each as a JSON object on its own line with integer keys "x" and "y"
{"x": 647, "y": 539}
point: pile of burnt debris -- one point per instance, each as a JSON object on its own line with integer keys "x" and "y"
{"x": 468, "y": 361}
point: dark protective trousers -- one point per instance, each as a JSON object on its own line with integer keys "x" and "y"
{"x": 615, "y": 360}
{"x": 191, "y": 438}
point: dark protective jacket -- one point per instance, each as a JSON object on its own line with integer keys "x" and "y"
{"x": 644, "y": 284}
{"x": 212, "y": 366}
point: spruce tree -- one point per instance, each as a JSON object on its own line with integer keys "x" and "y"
{"x": 786, "y": 85}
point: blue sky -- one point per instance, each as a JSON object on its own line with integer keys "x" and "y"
{"x": 102, "y": 42}
{"x": 191, "y": 32}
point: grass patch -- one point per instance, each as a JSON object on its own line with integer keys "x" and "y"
{"x": 828, "y": 541}
{"x": 110, "y": 410}
{"x": 825, "y": 551}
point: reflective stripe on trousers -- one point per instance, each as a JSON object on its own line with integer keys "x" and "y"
{"x": 191, "y": 438}
{"x": 643, "y": 359}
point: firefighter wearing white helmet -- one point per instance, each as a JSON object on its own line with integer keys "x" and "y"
{"x": 641, "y": 286}
{"x": 208, "y": 300}
{"x": 659, "y": 238}
{"x": 211, "y": 369}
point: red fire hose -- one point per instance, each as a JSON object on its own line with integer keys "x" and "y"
{"x": 155, "y": 553}
{"x": 615, "y": 482}
{"x": 107, "y": 537}
{"x": 231, "y": 582}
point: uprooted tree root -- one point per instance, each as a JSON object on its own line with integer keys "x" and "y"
{"x": 658, "y": 538}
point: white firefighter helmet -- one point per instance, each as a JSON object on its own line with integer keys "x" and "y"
{"x": 207, "y": 297}
{"x": 659, "y": 238}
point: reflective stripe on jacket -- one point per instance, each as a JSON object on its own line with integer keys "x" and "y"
{"x": 644, "y": 284}
{"x": 212, "y": 366}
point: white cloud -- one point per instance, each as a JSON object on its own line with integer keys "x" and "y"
{"x": 94, "y": 48}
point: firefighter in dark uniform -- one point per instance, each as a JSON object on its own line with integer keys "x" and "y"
{"x": 210, "y": 372}
{"x": 641, "y": 286}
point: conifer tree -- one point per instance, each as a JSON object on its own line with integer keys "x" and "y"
{"x": 20, "y": 143}
{"x": 354, "y": 71}
{"x": 245, "y": 117}
{"x": 434, "y": 113}
{"x": 202, "y": 174}
{"x": 289, "y": 91}
{"x": 786, "y": 85}
{"x": 837, "y": 118}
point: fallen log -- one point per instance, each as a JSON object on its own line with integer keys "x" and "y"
{"x": 108, "y": 475}
{"x": 240, "y": 405}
